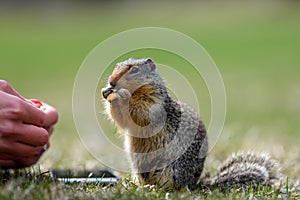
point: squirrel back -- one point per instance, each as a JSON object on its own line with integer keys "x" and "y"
{"x": 165, "y": 139}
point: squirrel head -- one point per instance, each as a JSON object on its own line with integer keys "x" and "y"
{"x": 132, "y": 74}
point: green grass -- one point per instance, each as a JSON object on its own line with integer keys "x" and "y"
{"x": 30, "y": 185}
{"x": 255, "y": 45}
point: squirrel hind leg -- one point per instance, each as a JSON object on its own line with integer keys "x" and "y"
{"x": 193, "y": 185}
{"x": 186, "y": 180}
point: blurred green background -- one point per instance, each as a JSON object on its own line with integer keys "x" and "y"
{"x": 255, "y": 44}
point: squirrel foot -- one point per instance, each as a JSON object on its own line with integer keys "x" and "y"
{"x": 121, "y": 95}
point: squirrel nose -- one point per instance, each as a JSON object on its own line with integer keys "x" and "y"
{"x": 112, "y": 83}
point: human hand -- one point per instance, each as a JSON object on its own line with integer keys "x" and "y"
{"x": 24, "y": 128}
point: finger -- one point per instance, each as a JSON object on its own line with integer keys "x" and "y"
{"x": 19, "y": 150}
{"x": 5, "y": 87}
{"x": 19, "y": 163}
{"x": 8, "y": 156}
{"x": 30, "y": 134}
{"x": 18, "y": 109}
{"x": 27, "y": 162}
{"x": 8, "y": 164}
{"x": 51, "y": 115}
{"x": 28, "y": 113}
{"x": 12, "y": 131}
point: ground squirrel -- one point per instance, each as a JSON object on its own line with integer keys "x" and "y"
{"x": 165, "y": 139}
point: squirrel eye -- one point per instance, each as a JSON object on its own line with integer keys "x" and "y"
{"x": 134, "y": 70}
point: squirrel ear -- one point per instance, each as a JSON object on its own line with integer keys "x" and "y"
{"x": 151, "y": 64}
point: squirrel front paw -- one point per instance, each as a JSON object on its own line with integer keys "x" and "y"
{"x": 121, "y": 94}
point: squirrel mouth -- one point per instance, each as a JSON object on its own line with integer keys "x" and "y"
{"x": 106, "y": 92}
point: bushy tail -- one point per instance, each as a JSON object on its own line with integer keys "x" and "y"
{"x": 244, "y": 169}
